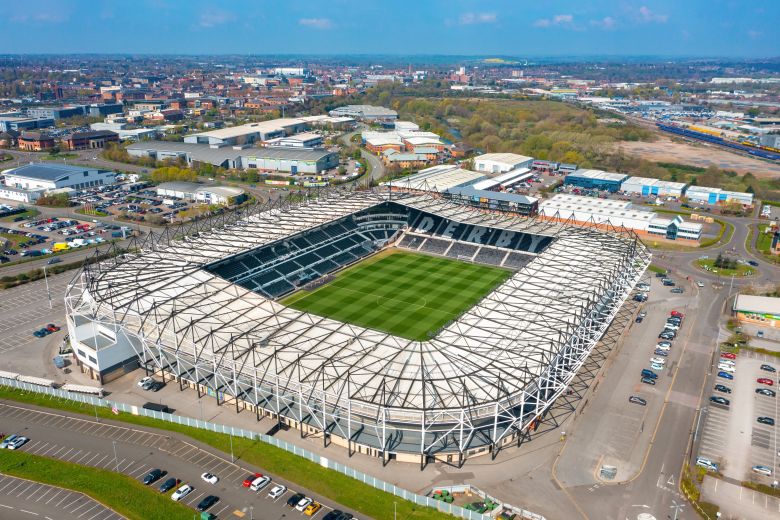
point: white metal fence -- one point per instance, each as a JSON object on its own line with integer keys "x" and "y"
{"x": 284, "y": 445}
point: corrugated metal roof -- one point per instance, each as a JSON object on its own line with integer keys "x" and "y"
{"x": 49, "y": 172}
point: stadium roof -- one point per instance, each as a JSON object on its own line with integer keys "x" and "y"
{"x": 490, "y": 353}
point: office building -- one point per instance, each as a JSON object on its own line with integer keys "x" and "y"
{"x": 653, "y": 187}
{"x": 712, "y": 196}
{"x": 365, "y": 113}
{"x": 596, "y": 180}
{"x": 501, "y": 162}
{"x": 19, "y": 123}
{"x": 92, "y": 140}
{"x": 759, "y": 310}
{"x": 53, "y": 176}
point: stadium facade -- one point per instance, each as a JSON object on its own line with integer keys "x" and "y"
{"x": 200, "y": 307}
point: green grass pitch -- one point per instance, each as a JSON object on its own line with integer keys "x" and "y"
{"x": 406, "y": 294}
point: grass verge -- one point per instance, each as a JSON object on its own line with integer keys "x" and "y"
{"x": 762, "y": 488}
{"x": 707, "y": 264}
{"x": 725, "y": 229}
{"x": 336, "y": 486}
{"x": 656, "y": 269}
{"x": 123, "y": 494}
{"x": 27, "y": 214}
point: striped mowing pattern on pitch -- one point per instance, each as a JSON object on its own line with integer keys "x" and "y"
{"x": 405, "y": 294}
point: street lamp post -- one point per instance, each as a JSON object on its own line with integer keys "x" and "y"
{"x": 48, "y": 292}
{"x": 116, "y": 459}
{"x": 232, "y": 459}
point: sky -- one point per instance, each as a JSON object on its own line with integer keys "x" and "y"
{"x": 523, "y": 28}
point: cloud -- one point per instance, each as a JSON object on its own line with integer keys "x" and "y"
{"x": 215, "y": 17}
{"x": 605, "y": 23}
{"x": 646, "y": 15}
{"x": 474, "y": 18}
{"x": 317, "y": 23}
{"x": 754, "y": 35}
{"x": 558, "y": 19}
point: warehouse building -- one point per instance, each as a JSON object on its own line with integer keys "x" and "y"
{"x": 304, "y": 140}
{"x": 596, "y": 180}
{"x": 617, "y": 213}
{"x": 648, "y": 187}
{"x": 437, "y": 179}
{"x": 18, "y": 123}
{"x": 365, "y": 113}
{"x": 760, "y": 310}
{"x": 52, "y": 176}
{"x": 223, "y": 157}
{"x": 249, "y": 133}
{"x": 714, "y": 196}
{"x": 501, "y": 162}
{"x": 289, "y": 160}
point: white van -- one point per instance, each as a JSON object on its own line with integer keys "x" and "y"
{"x": 706, "y": 464}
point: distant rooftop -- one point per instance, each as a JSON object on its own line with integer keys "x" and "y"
{"x": 49, "y": 172}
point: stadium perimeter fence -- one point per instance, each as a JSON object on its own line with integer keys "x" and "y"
{"x": 374, "y": 482}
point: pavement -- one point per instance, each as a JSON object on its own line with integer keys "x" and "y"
{"x": 134, "y": 451}
{"x": 25, "y": 499}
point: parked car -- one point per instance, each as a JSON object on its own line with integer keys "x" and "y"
{"x": 182, "y": 492}
{"x": 251, "y": 478}
{"x": 728, "y": 355}
{"x": 753, "y": 263}
{"x": 637, "y": 400}
{"x": 55, "y": 260}
{"x": 277, "y": 491}
{"x": 719, "y": 400}
{"x": 765, "y": 381}
{"x": 639, "y": 319}
{"x": 660, "y": 352}
{"x": 648, "y": 381}
{"x": 656, "y": 366}
{"x": 153, "y": 476}
{"x": 16, "y": 443}
{"x": 726, "y": 368}
{"x": 768, "y": 368}
{"x": 156, "y": 386}
{"x": 664, "y": 345}
{"x": 144, "y": 381}
{"x": 8, "y": 440}
{"x": 766, "y": 420}
{"x": 260, "y": 483}
{"x": 677, "y": 290}
{"x": 765, "y": 391}
{"x": 52, "y": 328}
{"x": 312, "y": 509}
{"x": 723, "y": 388}
{"x": 659, "y": 360}
{"x": 169, "y": 484}
{"x": 725, "y": 375}
{"x": 706, "y": 464}
{"x": 210, "y": 478}
{"x": 207, "y": 502}
{"x": 294, "y": 499}
{"x": 762, "y": 470}
{"x": 303, "y": 504}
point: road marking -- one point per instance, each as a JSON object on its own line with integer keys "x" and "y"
{"x": 28, "y": 512}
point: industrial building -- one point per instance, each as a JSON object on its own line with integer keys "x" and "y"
{"x": 436, "y": 179}
{"x": 501, "y": 162}
{"x": 760, "y": 310}
{"x": 648, "y": 187}
{"x": 617, "y": 213}
{"x": 19, "y": 123}
{"x": 249, "y": 133}
{"x": 596, "y": 180}
{"x": 303, "y": 140}
{"x": 714, "y": 196}
{"x": 95, "y": 110}
{"x": 365, "y": 113}
{"x": 276, "y": 158}
{"x": 199, "y": 193}
{"x": 53, "y": 176}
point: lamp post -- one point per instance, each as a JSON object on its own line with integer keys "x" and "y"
{"x": 116, "y": 460}
{"x": 48, "y": 292}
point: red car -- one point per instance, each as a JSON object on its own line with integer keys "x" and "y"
{"x": 52, "y": 327}
{"x": 677, "y": 314}
{"x": 248, "y": 481}
{"x": 728, "y": 355}
{"x": 765, "y": 381}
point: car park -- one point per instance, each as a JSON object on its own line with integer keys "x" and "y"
{"x": 277, "y": 491}
{"x": 766, "y": 420}
{"x": 765, "y": 391}
{"x": 725, "y": 375}
{"x": 765, "y": 381}
{"x": 182, "y": 492}
{"x": 169, "y": 484}
{"x": 207, "y": 502}
{"x": 723, "y": 388}
{"x": 303, "y": 504}
{"x": 210, "y": 478}
{"x": 637, "y": 400}
{"x": 294, "y": 499}
{"x": 153, "y": 476}
{"x": 768, "y": 368}
{"x": 762, "y": 470}
{"x": 719, "y": 400}
{"x": 706, "y": 464}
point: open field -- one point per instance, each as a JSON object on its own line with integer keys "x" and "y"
{"x": 667, "y": 150}
{"x": 406, "y": 294}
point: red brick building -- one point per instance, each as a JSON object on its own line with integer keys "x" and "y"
{"x": 35, "y": 141}
{"x": 90, "y": 140}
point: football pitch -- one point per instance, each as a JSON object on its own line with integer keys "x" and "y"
{"x": 402, "y": 293}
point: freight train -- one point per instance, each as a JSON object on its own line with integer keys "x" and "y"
{"x": 763, "y": 152}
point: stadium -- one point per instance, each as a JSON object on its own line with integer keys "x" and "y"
{"x": 400, "y": 325}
